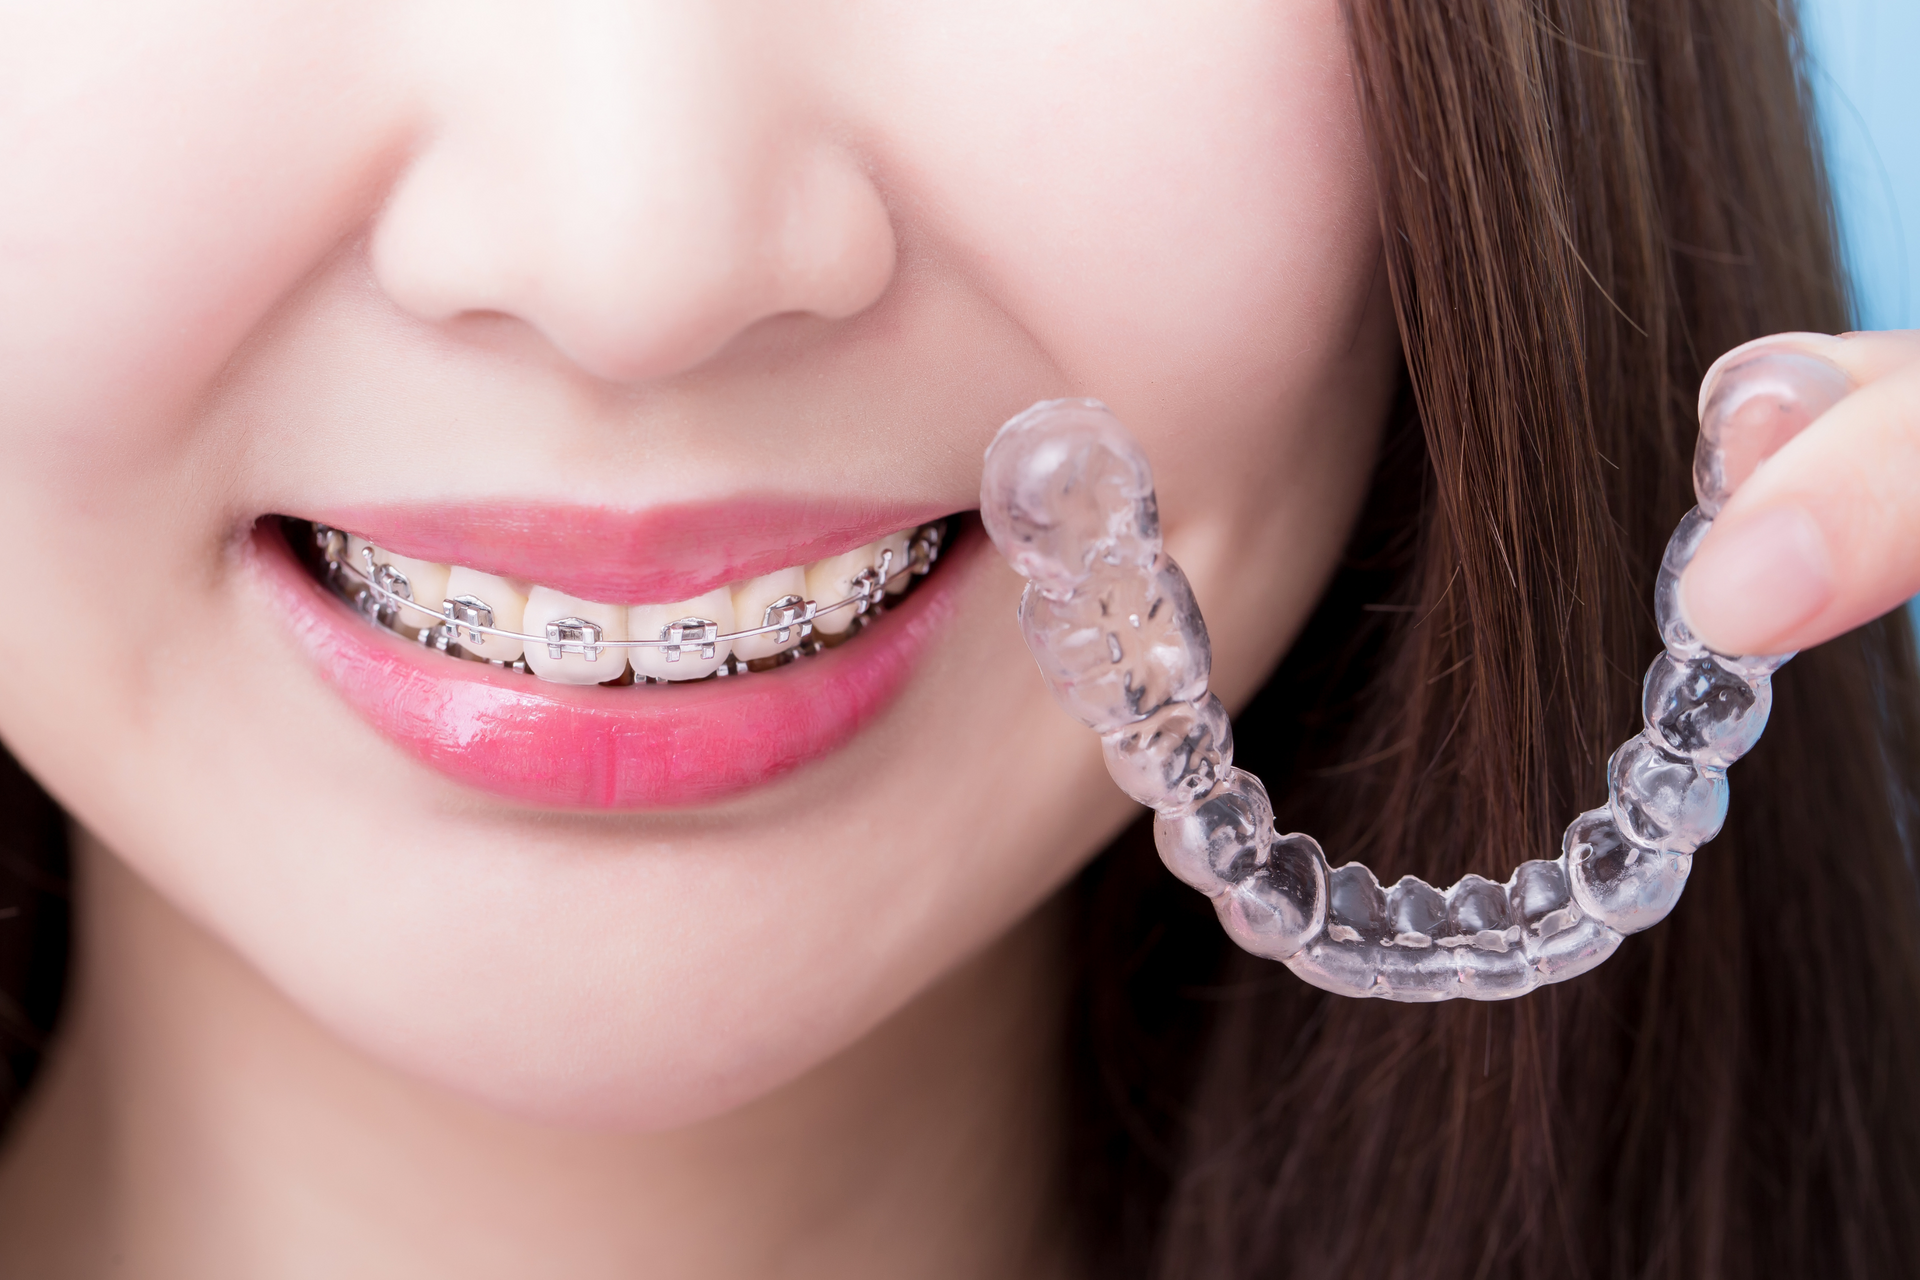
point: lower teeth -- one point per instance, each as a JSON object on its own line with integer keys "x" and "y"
{"x": 325, "y": 555}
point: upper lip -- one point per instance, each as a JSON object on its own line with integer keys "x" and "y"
{"x": 659, "y": 554}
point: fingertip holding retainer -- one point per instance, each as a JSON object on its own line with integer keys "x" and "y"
{"x": 1067, "y": 496}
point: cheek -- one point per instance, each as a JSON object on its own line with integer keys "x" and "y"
{"x": 172, "y": 172}
{"x": 1190, "y": 236}
{"x": 1180, "y": 225}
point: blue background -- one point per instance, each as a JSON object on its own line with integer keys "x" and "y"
{"x": 1864, "y": 64}
{"x": 1863, "y": 59}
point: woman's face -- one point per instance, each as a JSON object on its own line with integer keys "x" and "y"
{"x": 633, "y": 302}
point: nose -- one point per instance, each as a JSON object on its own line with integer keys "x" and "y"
{"x": 639, "y": 182}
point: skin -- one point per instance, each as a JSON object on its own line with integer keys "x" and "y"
{"x": 335, "y": 1014}
{"x": 1826, "y": 534}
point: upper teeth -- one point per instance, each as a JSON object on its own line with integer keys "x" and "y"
{"x": 693, "y": 659}
{"x": 485, "y": 601}
{"x": 573, "y": 641}
{"x": 574, "y": 630}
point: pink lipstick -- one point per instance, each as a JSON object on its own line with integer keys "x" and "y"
{"x": 596, "y": 748}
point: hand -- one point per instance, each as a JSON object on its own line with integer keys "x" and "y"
{"x": 1825, "y": 535}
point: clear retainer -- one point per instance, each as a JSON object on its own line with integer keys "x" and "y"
{"x": 383, "y": 593}
{"x": 1068, "y": 499}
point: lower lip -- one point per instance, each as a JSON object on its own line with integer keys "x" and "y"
{"x": 560, "y": 747}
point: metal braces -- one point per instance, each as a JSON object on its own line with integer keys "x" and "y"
{"x": 688, "y": 634}
{"x": 384, "y": 593}
{"x": 574, "y": 635}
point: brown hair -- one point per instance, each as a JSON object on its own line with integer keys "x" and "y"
{"x": 1583, "y": 201}
{"x": 34, "y": 923}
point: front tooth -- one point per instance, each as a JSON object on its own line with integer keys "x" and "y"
{"x": 560, "y": 657}
{"x": 832, "y": 580}
{"x": 898, "y": 578}
{"x": 492, "y": 602}
{"x": 650, "y": 622}
{"x": 750, "y": 603}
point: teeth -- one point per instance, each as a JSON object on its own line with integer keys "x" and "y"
{"x": 898, "y": 579}
{"x": 425, "y": 583}
{"x": 491, "y": 602}
{"x": 651, "y": 622}
{"x": 835, "y": 579}
{"x": 572, "y": 629}
{"x": 426, "y": 587}
{"x": 751, "y": 601}
{"x": 575, "y": 650}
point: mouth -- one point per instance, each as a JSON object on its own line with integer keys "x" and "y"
{"x": 540, "y": 696}
{"x": 744, "y": 627}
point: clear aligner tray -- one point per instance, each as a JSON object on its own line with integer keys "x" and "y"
{"x": 1068, "y": 499}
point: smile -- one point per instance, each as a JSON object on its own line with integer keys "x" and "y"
{"x": 525, "y": 692}
{"x": 754, "y": 625}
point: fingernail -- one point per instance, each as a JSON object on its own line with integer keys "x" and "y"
{"x": 1756, "y": 582}
{"x": 1817, "y": 345}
